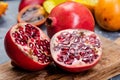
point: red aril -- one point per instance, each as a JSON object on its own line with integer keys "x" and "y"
{"x": 24, "y": 3}
{"x": 27, "y": 46}
{"x": 69, "y": 15}
{"x": 75, "y": 50}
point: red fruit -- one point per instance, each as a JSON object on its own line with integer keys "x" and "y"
{"x": 25, "y": 3}
{"x": 75, "y": 50}
{"x": 69, "y": 15}
{"x": 27, "y": 46}
{"x": 34, "y": 14}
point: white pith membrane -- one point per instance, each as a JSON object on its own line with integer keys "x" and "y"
{"x": 25, "y": 46}
{"x": 83, "y": 60}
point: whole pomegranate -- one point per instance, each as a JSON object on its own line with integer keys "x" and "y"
{"x": 25, "y": 3}
{"x": 69, "y": 15}
{"x": 28, "y": 47}
{"x": 75, "y": 50}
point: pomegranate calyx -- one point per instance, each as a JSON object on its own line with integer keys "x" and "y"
{"x": 51, "y": 21}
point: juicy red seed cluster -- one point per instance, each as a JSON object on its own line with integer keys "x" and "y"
{"x": 30, "y": 37}
{"x": 76, "y": 45}
{"x": 31, "y": 31}
{"x": 20, "y": 38}
{"x": 41, "y": 50}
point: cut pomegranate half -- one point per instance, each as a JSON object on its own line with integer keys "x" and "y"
{"x": 75, "y": 50}
{"x": 28, "y": 47}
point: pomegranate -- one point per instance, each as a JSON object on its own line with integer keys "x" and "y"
{"x": 69, "y": 15}
{"x": 75, "y": 50}
{"x": 28, "y": 47}
{"x": 34, "y": 14}
{"x": 25, "y": 3}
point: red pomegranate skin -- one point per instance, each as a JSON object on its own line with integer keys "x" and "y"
{"x": 77, "y": 69}
{"x": 69, "y": 15}
{"x": 18, "y": 57}
{"x": 25, "y": 3}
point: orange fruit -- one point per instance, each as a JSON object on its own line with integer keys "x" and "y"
{"x": 107, "y": 14}
{"x": 3, "y": 7}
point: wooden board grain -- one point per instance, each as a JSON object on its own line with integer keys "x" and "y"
{"x": 107, "y": 67}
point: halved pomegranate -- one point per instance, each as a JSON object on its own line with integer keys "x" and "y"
{"x": 34, "y": 14}
{"x": 69, "y": 15}
{"x": 28, "y": 47}
{"x": 75, "y": 50}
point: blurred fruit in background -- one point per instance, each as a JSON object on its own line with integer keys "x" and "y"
{"x": 88, "y": 3}
{"x": 25, "y": 3}
{"x": 58, "y": 1}
{"x": 107, "y": 14}
{"x": 50, "y": 4}
{"x": 3, "y": 7}
{"x": 34, "y": 14}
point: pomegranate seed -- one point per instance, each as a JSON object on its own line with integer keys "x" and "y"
{"x": 47, "y": 59}
{"x": 37, "y": 46}
{"x": 65, "y": 49}
{"x": 66, "y": 42}
{"x": 23, "y": 43}
{"x": 43, "y": 56}
{"x": 72, "y": 45}
{"x": 39, "y": 55}
{"x": 17, "y": 41}
{"x": 72, "y": 50}
{"x": 35, "y": 51}
{"x": 69, "y": 61}
{"x": 76, "y": 40}
{"x": 15, "y": 35}
{"x": 31, "y": 45}
{"x": 60, "y": 58}
{"x": 41, "y": 47}
{"x": 25, "y": 37}
{"x": 63, "y": 53}
{"x": 86, "y": 60}
{"x": 71, "y": 56}
{"x": 21, "y": 32}
{"x": 46, "y": 42}
{"x": 77, "y": 57}
{"x": 44, "y": 47}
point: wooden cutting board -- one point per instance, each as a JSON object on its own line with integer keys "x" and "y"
{"x": 107, "y": 67}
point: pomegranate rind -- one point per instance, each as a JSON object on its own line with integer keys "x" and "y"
{"x": 69, "y": 15}
{"x": 16, "y": 54}
{"x": 75, "y": 67}
{"x": 41, "y": 12}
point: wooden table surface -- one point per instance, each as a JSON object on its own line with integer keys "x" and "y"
{"x": 6, "y": 21}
